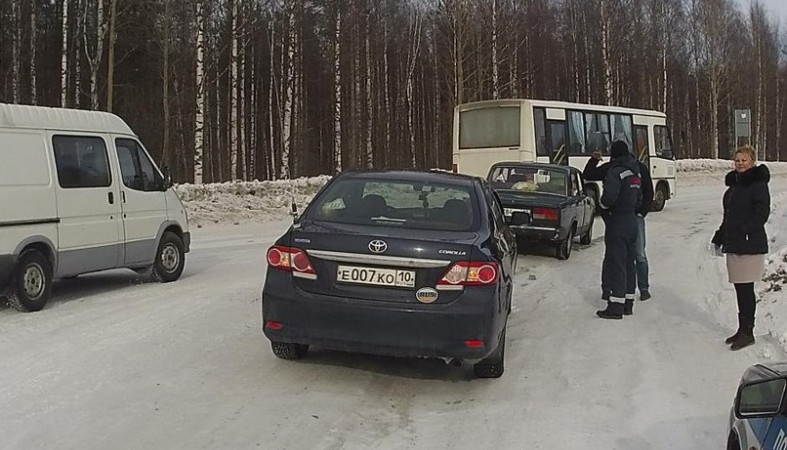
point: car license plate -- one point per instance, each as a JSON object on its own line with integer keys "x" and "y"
{"x": 375, "y": 276}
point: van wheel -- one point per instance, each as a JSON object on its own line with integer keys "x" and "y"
{"x": 493, "y": 366}
{"x": 32, "y": 282}
{"x": 170, "y": 258}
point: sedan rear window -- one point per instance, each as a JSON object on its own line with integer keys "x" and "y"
{"x": 396, "y": 203}
{"x": 518, "y": 178}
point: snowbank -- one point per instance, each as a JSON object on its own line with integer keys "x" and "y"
{"x": 237, "y": 202}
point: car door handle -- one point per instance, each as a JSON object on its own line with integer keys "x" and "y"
{"x": 111, "y": 198}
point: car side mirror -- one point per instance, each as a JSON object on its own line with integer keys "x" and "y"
{"x": 167, "y": 182}
{"x": 760, "y": 399}
{"x": 294, "y": 212}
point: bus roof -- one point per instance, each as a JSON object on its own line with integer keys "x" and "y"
{"x": 559, "y": 104}
{"x": 61, "y": 119}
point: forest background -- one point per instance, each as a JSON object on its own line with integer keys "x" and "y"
{"x": 270, "y": 89}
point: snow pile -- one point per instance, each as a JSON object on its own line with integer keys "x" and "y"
{"x": 246, "y": 201}
{"x": 240, "y": 201}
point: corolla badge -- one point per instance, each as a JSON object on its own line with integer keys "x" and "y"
{"x": 426, "y": 295}
{"x": 378, "y": 246}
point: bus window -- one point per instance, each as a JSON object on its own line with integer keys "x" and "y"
{"x": 576, "y": 133}
{"x": 541, "y": 132}
{"x": 663, "y": 142}
{"x": 597, "y": 132}
{"x": 489, "y": 127}
{"x": 642, "y": 148}
{"x": 621, "y": 129}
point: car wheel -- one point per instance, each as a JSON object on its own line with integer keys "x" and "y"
{"x": 586, "y": 238}
{"x": 492, "y": 366}
{"x": 659, "y": 198}
{"x": 287, "y": 350}
{"x": 564, "y": 247}
{"x": 32, "y": 282}
{"x": 732, "y": 442}
{"x": 170, "y": 258}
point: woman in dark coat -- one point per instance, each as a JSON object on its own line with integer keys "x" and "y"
{"x": 741, "y": 236}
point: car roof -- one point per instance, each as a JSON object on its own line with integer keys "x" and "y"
{"x": 537, "y": 165}
{"x": 413, "y": 175}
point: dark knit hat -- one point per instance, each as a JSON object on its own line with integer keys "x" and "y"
{"x": 618, "y": 149}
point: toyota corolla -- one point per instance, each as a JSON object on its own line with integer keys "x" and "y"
{"x": 400, "y": 263}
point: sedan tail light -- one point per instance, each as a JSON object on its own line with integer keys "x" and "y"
{"x": 292, "y": 260}
{"x": 464, "y": 274}
{"x": 549, "y": 214}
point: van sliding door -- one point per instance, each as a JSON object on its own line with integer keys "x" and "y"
{"x": 90, "y": 229}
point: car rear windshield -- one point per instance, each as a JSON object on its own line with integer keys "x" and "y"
{"x": 397, "y": 203}
{"x": 533, "y": 179}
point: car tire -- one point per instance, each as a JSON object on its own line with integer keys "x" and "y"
{"x": 31, "y": 285}
{"x": 493, "y": 365}
{"x": 564, "y": 247}
{"x": 659, "y": 198}
{"x": 288, "y": 350}
{"x": 170, "y": 258}
{"x": 587, "y": 238}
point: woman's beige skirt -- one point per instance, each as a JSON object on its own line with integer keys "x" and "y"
{"x": 745, "y": 268}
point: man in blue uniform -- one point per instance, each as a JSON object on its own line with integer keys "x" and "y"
{"x": 595, "y": 172}
{"x": 619, "y": 204}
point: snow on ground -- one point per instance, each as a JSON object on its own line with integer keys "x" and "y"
{"x": 114, "y": 362}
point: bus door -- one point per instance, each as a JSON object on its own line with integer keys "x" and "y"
{"x": 641, "y": 144}
{"x": 556, "y": 142}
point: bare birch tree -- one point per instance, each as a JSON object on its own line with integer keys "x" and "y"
{"x": 199, "y": 121}
{"x": 64, "y": 58}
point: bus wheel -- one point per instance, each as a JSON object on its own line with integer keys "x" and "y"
{"x": 659, "y": 198}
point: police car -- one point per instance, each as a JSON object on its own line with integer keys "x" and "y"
{"x": 758, "y": 419}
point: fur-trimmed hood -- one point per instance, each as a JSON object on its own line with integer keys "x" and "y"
{"x": 756, "y": 173}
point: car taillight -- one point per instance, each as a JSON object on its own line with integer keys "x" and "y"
{"x": 464, "y": 274}
{"x": 291, "y": 259}
{"x": 546, "y": 214}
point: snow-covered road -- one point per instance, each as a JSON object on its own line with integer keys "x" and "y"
{"x": 116, "y": 363}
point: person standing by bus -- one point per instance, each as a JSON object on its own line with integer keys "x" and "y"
{"x": 742, "y": 237}
{"x": 595, "y": 172}
{"x": 619, "y": 203}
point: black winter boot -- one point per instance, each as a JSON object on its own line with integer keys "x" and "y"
{"x": 732, "y": 338}
{"x": 614, "y": 311}
{"x": 745, "y": 339}
{"x": 628, "y": 307}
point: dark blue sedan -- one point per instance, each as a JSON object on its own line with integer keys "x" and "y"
{"x": 400, "y": 263}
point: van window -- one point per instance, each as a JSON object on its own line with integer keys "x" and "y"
{"x": 81, "y": 162}
{"x": 136, "y": 168}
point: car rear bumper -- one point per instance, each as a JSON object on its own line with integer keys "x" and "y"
{"x": 532, "y": 233}
{"x": 369, "y": 326}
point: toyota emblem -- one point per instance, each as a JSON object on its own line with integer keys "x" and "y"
{"x": 378, "y": 246}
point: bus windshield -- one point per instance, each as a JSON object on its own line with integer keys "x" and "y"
{"x": 489, "y": 127}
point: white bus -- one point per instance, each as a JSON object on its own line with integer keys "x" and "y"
{"x": 563, "y": 133}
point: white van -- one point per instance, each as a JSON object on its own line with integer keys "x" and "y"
{"x": 79, "y": 194}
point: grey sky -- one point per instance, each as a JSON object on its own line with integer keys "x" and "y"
{"x": 777, "y": 7}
